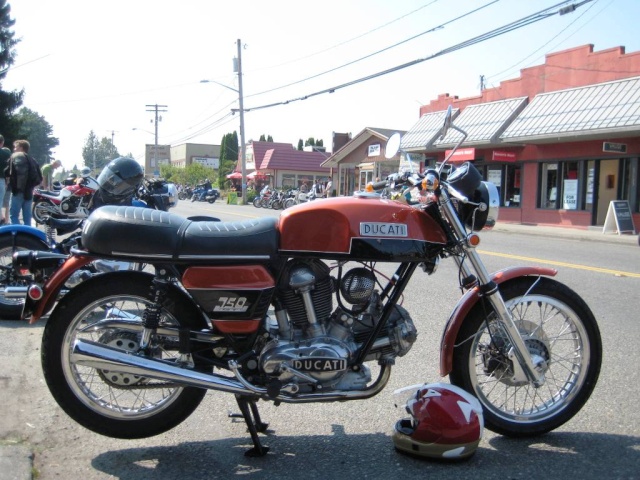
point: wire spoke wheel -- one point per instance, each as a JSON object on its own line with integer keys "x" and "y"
{"x": 108, "y": 310}
{"x": 114, "y": 394}
{"x": 563, "y": 341}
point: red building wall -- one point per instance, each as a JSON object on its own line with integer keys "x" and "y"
{"x": 576, "y": 67}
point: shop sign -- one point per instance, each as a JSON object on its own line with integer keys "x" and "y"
{"x": 614, "y": 147}
{"x": 619, "y": 218}
{"x": 374, "y": 150}
{"x": 462, "y": 154}
{"x": 500, "y": 156}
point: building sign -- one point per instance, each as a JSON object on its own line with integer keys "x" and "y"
{"x": 499, "y": 156}
{"x": 462, "y": 154}
{"x": 210, "y": 162}
{"x": 614, "y": 147}
{"x": 374, "y": 150}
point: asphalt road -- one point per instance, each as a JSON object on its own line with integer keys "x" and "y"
{"x": 352, "y": 439}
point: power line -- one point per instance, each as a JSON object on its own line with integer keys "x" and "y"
{"x": 433, "y": 29}
{"x": 536, "y": 17}
{"x": 346, "y": 41}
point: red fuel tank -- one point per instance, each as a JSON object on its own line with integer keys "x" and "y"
{"x": 359, "y": 227}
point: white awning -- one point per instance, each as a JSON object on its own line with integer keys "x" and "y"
{"x": 603, "y": 109}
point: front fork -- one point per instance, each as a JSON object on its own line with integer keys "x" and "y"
{"x": 489, "y": 289}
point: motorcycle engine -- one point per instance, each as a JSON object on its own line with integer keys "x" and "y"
{"x": 70, "y": 204}
{"x": 315, "y": 345}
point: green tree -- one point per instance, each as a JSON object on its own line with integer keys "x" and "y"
{"x": 9, "y": 101}
{"x": 300, "y": 145}
{"x": 228, "y": 158}
{"x": 37, "y": 131}
{"x": 97, "y": 153}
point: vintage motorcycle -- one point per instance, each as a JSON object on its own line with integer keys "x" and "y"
{"x": 252, "y": 308}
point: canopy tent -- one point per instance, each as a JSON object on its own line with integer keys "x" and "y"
{"x": 257, "y": 174}
{"x": 235, "y": 175}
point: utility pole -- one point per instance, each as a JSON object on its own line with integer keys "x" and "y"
{"x": 243, "y": 156}
{"x": 157, "y": 109}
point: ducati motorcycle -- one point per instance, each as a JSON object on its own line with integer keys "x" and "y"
{"x": 294, "y": 310}
{"x": 72, "y": 201}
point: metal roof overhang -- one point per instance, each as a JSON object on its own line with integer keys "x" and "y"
{"x": 483, "y": 123}
{"x": 425, "y": 132}
{"x": 605, "y": 110}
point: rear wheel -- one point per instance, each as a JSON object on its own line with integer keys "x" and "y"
{"x": 11, "y": 309}
{"x": 40, "y": 211}
{"x": 108, "y": 310}
{"x": 563, "y": 340}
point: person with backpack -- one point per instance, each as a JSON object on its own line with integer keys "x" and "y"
{"x": 5, "y": 194}
{"x": 24, "y": 175}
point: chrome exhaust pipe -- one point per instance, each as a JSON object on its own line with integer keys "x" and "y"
{"x": 102, "y": 357}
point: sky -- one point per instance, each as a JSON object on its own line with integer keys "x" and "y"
{"x": 101, "y": 65}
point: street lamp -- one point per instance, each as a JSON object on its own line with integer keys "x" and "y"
{"x": 243, "y": 156}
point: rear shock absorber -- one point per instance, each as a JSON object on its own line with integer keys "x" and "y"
{"x": 151, "y": 314}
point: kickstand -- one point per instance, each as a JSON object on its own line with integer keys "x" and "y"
{"x": 251, "y": 417}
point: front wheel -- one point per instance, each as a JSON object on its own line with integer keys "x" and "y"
{"x": 40, "y": 211}
{"x": 257, "y": 202}
{"x": 109, "y": 310}
{"x": 564, "y": 342}
{"x": 212, "y": 200}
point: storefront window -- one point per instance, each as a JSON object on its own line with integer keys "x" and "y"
{"x": 567, "y": 185}
{"x": 507, "y": 179}
{"x": 512, "y": 186}
{"x": 288, "y": 181}
{"x": 548, "y": 186}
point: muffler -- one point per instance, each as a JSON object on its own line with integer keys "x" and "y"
{"x": 103, "y": 357}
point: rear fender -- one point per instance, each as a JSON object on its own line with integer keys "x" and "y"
{"x": 14, "y": 229}
{"x": 469, "y": 300}
{"x": 55, "y": 283}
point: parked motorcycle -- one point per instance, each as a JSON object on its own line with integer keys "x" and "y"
{"x": 204, "y": 194}
{"x": 254, "y": 309}
{"x": 71, "y": 201}
{"x": 42, "y": 253}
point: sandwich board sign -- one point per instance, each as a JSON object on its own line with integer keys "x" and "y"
{"x": 619, "y": 218}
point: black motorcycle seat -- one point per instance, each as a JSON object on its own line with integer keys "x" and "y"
{"x": 154, "y": 234}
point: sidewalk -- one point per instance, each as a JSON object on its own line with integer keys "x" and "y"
{"x": 593, "y": 234}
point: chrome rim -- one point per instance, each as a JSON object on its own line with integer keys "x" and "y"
{"x": 110, "y": 393}
{"x": 558, "y": 343}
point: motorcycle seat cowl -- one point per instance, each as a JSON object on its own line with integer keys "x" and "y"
{"x": 154, "y": 234}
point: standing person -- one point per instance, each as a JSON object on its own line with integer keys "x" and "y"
{"x": 24, "y": 176}
{"x": 47, "y": 173}
{"x": 5, "y": 154}
{"x": 327, "y": 188}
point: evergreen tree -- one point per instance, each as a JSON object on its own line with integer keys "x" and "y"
{"x": 300, "y": 145}
{"x": 37, "y": 131}
{"x": 96, "y": 154}
{"x": 9, "y": 101}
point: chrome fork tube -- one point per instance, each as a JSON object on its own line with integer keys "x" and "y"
{"x": 492, "y": 294}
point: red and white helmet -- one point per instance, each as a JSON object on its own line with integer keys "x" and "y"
{"x": 446, "y": 423}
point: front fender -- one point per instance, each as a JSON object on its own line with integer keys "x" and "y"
{"x": 467, "y": 302}
{"x": 54, "y": 284}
